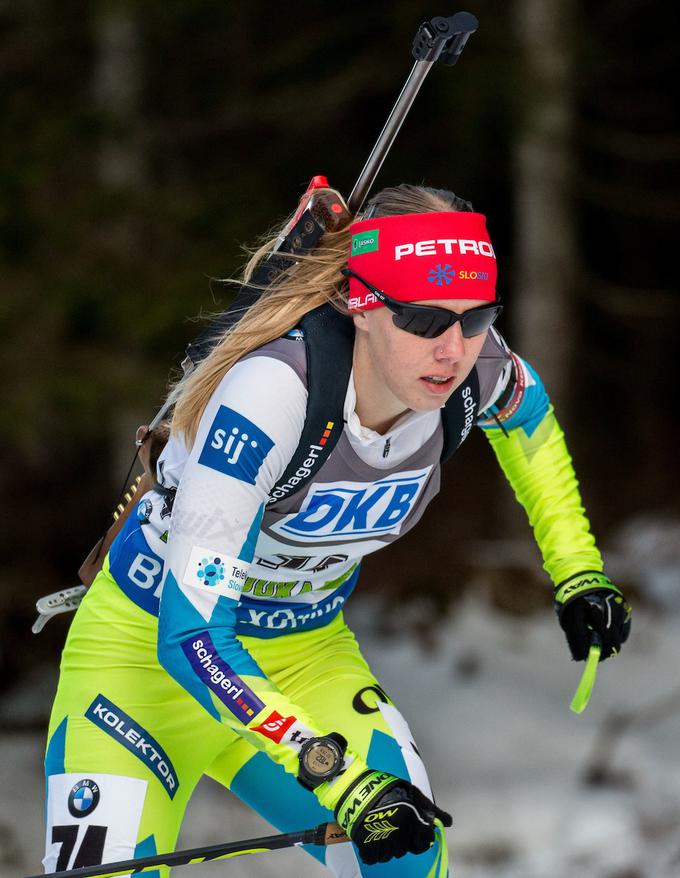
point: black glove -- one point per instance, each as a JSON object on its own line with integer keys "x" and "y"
{"x": 587, "y": 604}
{"x": 387, "y": 817}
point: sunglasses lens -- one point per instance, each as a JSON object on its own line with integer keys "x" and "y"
{"x": 432, "y": 322}
{"x": 425, "y": 323}
{"x": 476, "y": 322}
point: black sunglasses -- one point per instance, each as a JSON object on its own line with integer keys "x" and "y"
{"x": 428, "y": 321}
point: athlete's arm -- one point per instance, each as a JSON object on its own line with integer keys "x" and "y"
{"x": 529, "y": 444}
{"x": 248, "y": 432}
{"x": 520, "y": 424}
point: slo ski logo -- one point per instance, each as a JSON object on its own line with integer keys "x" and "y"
{"x": 441, "y": 274}
{"x": 365, "y": 242}
{"x": 275, "y": 726}
{"x": 235, "y": 446}
{"x": 210, "y": 571}
{"x": 355, "y": 509}
{"x": 473, "y": 275}
{"x": 83, "y": 798}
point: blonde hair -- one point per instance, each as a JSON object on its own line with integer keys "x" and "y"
{"x": 311, "y": 280}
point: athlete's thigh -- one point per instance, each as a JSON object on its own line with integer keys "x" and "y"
{"x": 324, "y": 672}
{"x": 121, "y": 759}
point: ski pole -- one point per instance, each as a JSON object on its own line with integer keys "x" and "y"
{"x": 324, "y": 834}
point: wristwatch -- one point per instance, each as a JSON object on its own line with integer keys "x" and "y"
{"x": 321, "y": 759}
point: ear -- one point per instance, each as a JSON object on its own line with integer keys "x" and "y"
{"x": 360, "y": 321}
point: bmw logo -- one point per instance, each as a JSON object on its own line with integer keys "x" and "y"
{"x": 83, "y": 798}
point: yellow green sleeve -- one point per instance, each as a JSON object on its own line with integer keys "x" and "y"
{"x": 539, "y": 468}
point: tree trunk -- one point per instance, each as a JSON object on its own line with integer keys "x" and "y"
{"x": 545, "y": 248}
{"x": 115, "y": 88}
{"x": 120, "y": 165}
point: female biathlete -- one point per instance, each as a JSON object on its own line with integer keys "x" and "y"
{"x": 213, "y": 640}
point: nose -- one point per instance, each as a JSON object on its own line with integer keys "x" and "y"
{"x": 451, "y": 344}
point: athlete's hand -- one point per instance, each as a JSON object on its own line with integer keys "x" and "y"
{"x": 587, "y": 603}
{"x": 387, "y": 817}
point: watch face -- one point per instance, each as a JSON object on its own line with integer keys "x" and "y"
{"x": 321, "y": 758}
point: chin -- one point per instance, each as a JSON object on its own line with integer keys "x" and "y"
{"x": 429, "y": 405}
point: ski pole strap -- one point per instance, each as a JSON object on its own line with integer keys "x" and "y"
{"x": 581, "y": 584}
{"x": 582, "y": 695}
{"x": 324, "y": 834}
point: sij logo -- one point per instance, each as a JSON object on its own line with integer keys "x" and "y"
{"x": 355, "y": 509}
{"x": 235, "y": 446}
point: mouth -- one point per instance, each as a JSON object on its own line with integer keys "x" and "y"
{"x": 438, "y": 383}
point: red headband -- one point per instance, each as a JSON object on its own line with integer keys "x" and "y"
{"x": 418, "y": 256}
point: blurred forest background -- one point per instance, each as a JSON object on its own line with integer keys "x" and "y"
{"x": 144, "y": 142}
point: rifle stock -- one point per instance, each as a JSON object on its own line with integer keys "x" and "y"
{"x": 151, "y": 443}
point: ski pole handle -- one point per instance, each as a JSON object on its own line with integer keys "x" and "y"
{"x": 334, "y": 834}
{"x": 443, "y": 39}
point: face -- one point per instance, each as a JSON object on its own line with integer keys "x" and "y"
{"x": 395, "y": 371}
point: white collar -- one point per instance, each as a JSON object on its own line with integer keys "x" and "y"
{"x": 368, "y": 436}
